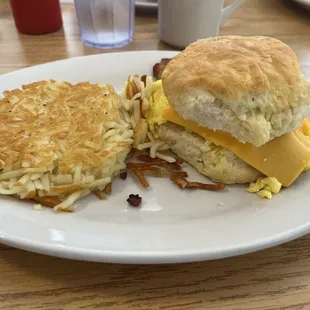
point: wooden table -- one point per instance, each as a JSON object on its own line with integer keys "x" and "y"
{"x": 277, "y": 278}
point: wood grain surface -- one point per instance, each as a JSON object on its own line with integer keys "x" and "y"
{"x": 273, "y": 279}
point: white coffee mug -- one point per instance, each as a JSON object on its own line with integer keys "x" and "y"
{"x": 182, "y": 22}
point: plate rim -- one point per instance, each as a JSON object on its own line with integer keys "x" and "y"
{"x": 75, "y": 253}
{"x": 105, "y": 54}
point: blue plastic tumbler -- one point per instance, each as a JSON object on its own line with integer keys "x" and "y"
{"x": 106, "y": 23}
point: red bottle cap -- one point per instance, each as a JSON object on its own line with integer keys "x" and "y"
{"x": 37, "y": 16}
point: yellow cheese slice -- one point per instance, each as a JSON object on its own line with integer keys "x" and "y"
{"x": 284, "y": 158}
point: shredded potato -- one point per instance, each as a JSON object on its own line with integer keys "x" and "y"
{"x": 61, "y": 141}
{"x": 137, "y": 94}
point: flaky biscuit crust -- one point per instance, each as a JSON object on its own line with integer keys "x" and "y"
{"x": 255, "y": 81}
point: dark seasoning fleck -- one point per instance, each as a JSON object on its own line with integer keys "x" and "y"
{"x": 134, "y": 200}
{"x": 123, "y": 175}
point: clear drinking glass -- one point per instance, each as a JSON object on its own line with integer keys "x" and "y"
{"x": 106, "y": 23}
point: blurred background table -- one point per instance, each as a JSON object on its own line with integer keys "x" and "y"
{"x": 273, "y": 279}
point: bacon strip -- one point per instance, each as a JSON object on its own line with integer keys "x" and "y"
{"x": 159, "y": 68}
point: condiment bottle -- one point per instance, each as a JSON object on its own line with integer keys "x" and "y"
{"x": 37, "y": 16}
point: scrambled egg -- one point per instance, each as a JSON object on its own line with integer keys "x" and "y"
{"x": 305, "y": 128}
{"x": 158, "y": 102}
{"x": 265, "y": 187}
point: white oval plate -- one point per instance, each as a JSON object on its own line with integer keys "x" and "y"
{"x": 172, "y": 225}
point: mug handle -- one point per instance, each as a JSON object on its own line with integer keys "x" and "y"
{"x": 226, "y": 12}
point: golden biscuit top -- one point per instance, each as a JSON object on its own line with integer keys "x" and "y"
{"x": 236, "y": 68}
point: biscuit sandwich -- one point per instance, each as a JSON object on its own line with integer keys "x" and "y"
{"x": 232, "y": 107}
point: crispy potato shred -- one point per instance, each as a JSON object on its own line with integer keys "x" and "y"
{"x": 100, "y": 195}
{"x": 154, "y": 167}
{"x": 60, "y": 142}
{"x": 137, "y": 94}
